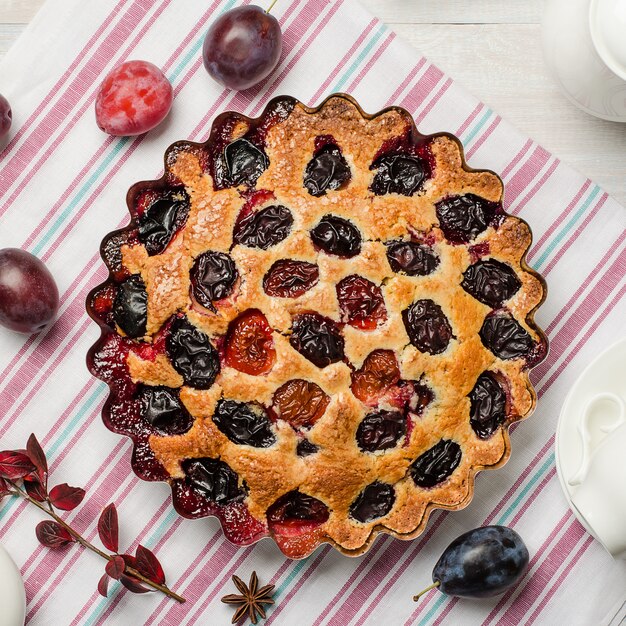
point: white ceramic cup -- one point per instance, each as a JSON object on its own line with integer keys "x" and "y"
{"x": 584, "y": 45}
{"x": 600, "y": 497}
{"x": 12, "y": 595}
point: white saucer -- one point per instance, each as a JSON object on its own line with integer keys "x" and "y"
{"x": 607, "y": 372}
{"x": 12, "y": 596}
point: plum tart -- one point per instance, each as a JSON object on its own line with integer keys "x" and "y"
{"x": 317, "y": 326}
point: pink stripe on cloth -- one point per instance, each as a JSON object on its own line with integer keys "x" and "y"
{"x": 278, "y": 608}
{"x": 181, "y": 583}
{"x": 518, "y": 157}
{"x": 613, "y": 275}
{"x": 373, "y": 59}
{"x": 38, "y": 379}
{"x": 348, "y": 55}
{"x": 586, "y": 336}
{"x": 422, "y": 89}
{"x": 359, "y": 590}
{"x": 390, "y": 558}
{"x": 556, "y": 223}
{"x": 223, "y": 558}
{"x": 557, "y": 585}
{"x": 563, "y": 249}
{"x": 64, "y": 80}
{"x": 472, "y": 116}
{"x": 531, "y": 194}
{"x": 63, "y": 110}
{"x": 433, "y": 101}
{"x": 525, "y": 175}
{"x": 585, "y": 284}
{"x": 405, "y": 83}
{"x": 483, "y": 137}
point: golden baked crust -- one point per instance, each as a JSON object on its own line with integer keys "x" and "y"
{"x": 340, "y": 470}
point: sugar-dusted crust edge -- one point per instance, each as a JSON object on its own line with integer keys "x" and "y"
{"x": 529, "y": 318}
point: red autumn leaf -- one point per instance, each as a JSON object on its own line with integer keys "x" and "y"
{"x": 115, "y": 567}
{"x": 108, "y": 528}
{"x": 65, "y": 497}
{"x": 37, "y": 456}
{"x": 35, "y": 490}
{"x": 52, "y": 534}
{"x": 133, "y": 585}
{"x": 149, "y": 566}
{"x": 130, "y": 561}
{"x": 103, "y": 585}
{"x": 15, "y": 464}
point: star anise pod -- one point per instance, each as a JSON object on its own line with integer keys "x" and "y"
{"x": 251, "y": 600}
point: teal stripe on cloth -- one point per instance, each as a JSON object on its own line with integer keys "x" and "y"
{"x": 568, "y": 226}
{"x": 481, "y": 122}
{"x": 360, "y": 58}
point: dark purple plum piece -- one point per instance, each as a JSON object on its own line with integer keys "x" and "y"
{"x": 487, "y": 405}
{"x": 436, "y": 464}
{"x": 306, "y": 448}
{"x": 463, "y": 218}
{"x": 192, "y": 355}
{"x": 398, "y": 173}
{"x": 482, "y": 563}
{"x": 162, "y": 220}
{"x": 317, "y": 338}
{"x": 130, "y": 307}
{"x": 296, "y": 507}
{"x": 411, "y": 258}
{"x": 380, "y": 430}
{"x": 335, "y": 235}
{"x": 265, "y": 228}
{"x": 375, "y": 501}
{"x": 505, "y": 337}
{"x": 161, "y": 408}
{"x": 245, "y": 162}
{"x": 290, "y": 279}
{"x": 491, "y": 282}
{"x": 214, "y": 479}
{"x": 213, "y": 277}
{"x": 244, "y": 423}
{"x": 427, "y": 326}
{"x": 327, "y": 170}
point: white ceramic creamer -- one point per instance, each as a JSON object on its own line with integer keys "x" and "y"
{"x": 12, "y": 595}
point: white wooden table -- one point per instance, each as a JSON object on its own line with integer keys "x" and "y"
{"x": 494, "y": 49}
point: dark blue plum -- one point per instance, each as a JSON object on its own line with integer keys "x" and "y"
{"x": 481, "y": 563}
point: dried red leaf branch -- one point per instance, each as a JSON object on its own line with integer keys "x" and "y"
{"x": 24, "y": 473}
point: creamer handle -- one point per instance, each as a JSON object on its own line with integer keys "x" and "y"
{"x": 585, "y": 435}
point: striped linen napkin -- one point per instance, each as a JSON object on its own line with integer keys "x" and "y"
{"x": 62, "y": 188}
